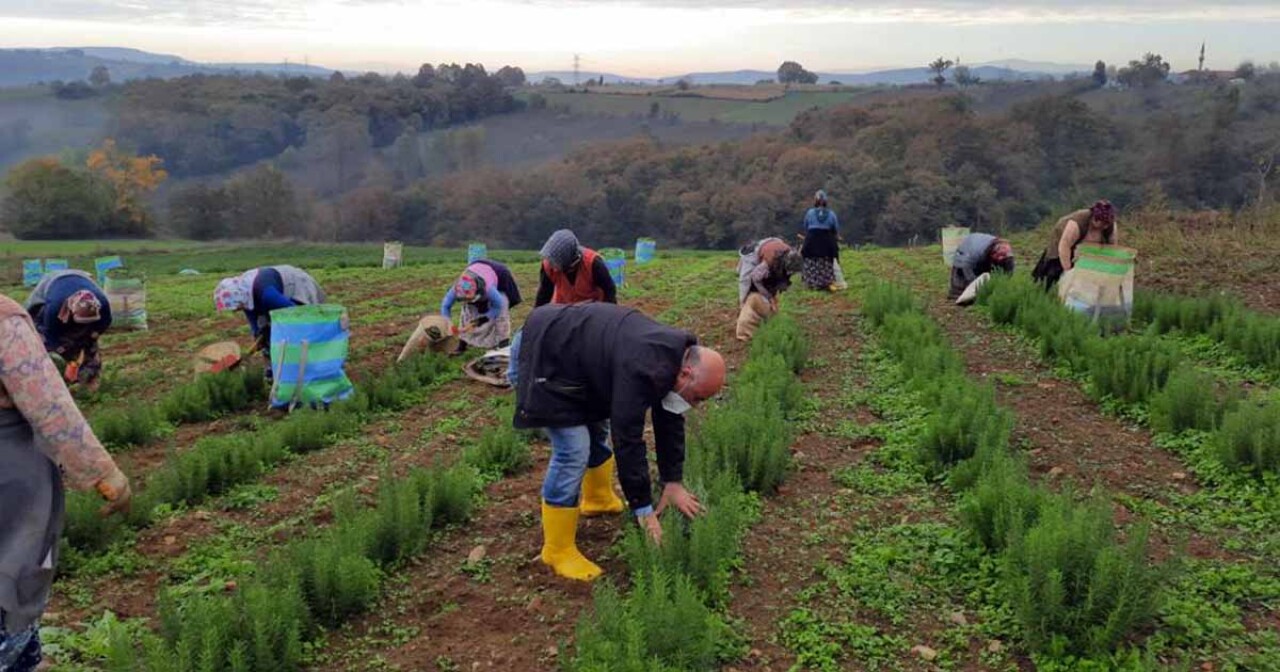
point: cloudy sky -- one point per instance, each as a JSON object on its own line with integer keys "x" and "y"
{"x": 654, "y": 37}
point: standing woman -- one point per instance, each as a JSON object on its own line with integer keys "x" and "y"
{"x": 821, "y": 246}
{"x": 488, "y": 292}
{"x": 71, "y": 313}
{"x": 43, "y": 439}
{"x": 262, "y": 290}
{"x": 1093, "y": 225}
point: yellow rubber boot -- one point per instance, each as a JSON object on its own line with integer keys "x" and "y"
{"x": 598, "y": 495}
{"x": 560, "y": 547}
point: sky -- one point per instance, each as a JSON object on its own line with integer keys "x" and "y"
{"x": 654, "y": 38}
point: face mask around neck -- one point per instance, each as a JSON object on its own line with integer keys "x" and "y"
{"x": 674, "y": 403}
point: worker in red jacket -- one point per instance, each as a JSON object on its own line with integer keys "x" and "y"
{"x": 572, "y": 273}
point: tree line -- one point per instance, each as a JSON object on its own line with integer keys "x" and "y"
{"x": 895, "y": 171}
{"x": 208, "y": 124}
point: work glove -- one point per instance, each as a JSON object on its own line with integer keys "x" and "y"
{"x": 115, "y": 489}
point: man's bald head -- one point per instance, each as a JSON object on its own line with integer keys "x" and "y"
{"x": 701, "y": 376}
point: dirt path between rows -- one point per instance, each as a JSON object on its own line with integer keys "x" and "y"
{"x": 778, "y": 560}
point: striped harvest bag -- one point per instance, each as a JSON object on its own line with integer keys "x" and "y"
{"x": 1101, "y": 284}
{"x": 308, "y": 352}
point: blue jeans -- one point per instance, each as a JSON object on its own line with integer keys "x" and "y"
{"x": 573, "y": 451}
{"x": 513, "y": 366}
{"x": 19, "y": 651}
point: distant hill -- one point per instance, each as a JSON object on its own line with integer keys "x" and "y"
{"x": 897, "y": 76}
{"x": 21, "y": 67}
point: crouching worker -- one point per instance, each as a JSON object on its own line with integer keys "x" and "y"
{"x": 488, "y": 292}
{"x": 262, "y": 290}
{"x": 577, "y": 369}
{"x": 978, "y": 255}
{"x": 45, "y": 444}
{"x": 765, "y": 268}
{"x": 71, "y": 313}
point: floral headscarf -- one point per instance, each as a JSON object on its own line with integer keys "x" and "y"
{"x": 468, "y": 287}
{"x": 236, "y": 292}
{"x": 83, "y": 307}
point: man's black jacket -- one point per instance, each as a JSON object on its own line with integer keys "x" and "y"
{"x": 590, "y": 362}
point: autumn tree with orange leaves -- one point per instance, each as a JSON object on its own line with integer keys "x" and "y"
{"x": 106, "y": 196}
{"x": 131, "y": 179}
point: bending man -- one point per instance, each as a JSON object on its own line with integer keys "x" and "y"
{"x": 978, "y": 255}
{"x": 576, "y": 369}
{"x": 71, "y": 313}
{"x": 572, "y": 273}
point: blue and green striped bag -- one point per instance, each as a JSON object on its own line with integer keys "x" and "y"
{"x": 308, "y": 353}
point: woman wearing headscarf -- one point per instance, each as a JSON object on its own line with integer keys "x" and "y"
{"x": 977, "y": 255}
{"x": 572, "y": 273}
{"x": 765, "y": 268}
{"x": 262, "y": 290}
{"x": 71, "y": 313}
{"x": 488, "y": 292}
{"x": 1096, "y": 224}
{"x": 821, "y": 246}
{"x": 45, "y": 444}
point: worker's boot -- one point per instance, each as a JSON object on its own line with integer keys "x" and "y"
{"x": 598, "y": 495}
{"x": 560, "y": 547}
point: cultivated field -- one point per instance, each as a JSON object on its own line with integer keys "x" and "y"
{"x": 893, "y": 483}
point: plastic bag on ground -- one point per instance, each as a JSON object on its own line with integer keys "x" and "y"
{"x": 970, "y": 293}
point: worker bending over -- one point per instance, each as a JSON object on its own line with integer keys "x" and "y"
{"x": 488, "y": 292}
{"x": 572, "y": 273}
{"x": 262, "y": 290}
{"x": 71, "y": 313}
{"x": 765, "y": 268}
{"x": 577, "y": 369}
{"x": 1092, "y": 225}
{"x": 977, "y": 255}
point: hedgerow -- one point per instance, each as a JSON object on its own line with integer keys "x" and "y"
{"x": 207, "y": 397}
{"x": 1130, "y": 368}
{"x": 215, "y": 464}
{"x": 1190, "y": 399}
{"x": 1250, "y": 437}
{"x": 322, "y": 580}
{"x": 1254, "y": 335}
{"x": 1073, "y": 586}
{"x": 665, "y": 622}
{"x": 1144, "y": 371}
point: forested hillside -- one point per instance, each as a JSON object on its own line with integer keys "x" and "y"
{"x": 422, "y": 159}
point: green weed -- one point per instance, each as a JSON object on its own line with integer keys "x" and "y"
{"x": 1250, "y": 437}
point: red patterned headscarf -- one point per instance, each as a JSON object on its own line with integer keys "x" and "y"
{"x": 468, "y": 287}
{"x": 1103, "y": 212}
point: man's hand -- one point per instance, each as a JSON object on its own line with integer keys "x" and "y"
{"x": 115, "y": 489}
{"x": 676, "y": 495}
{"x": 652, "y": 527}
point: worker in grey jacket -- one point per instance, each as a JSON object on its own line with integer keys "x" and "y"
{"x": 978, "y": 254}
